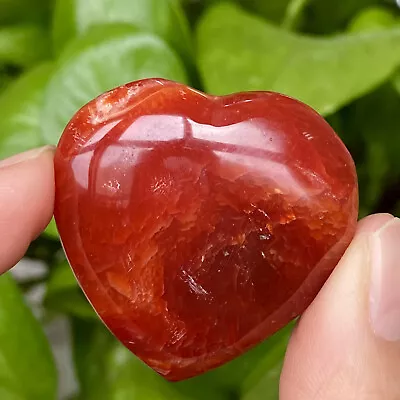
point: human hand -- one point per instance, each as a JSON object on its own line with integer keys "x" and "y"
{"x": 346, "y": 345}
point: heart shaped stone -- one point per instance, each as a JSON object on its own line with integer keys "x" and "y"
{"x": 197, "y": 225}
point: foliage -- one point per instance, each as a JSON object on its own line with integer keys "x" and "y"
{"x": 25, "y": 354}
{"x": 252, "y": 54}
{"x": 343, "y": 58}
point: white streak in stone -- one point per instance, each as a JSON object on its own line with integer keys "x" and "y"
{"x": 194, "y": 286}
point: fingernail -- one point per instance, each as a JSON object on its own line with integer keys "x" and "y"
{"x": 385, "y": 281}
{"x": 27, "y": 155}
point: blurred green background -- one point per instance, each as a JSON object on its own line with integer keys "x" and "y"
{"x": 342, "y": 58}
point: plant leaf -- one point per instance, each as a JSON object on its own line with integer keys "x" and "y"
{"x": 107, "y": 370}
{"x": 116, "y": 59}
{"x": 164, "y": 18}
{"x": 326, "y": 17}
{"x": 27, "y": 370}
{"x": 250, "y": 368}
{"x": 63, "y": 294}
{"x": 396, "y": 81}
{"x": 239, "y": 52}
{"x": 23, "y": 45}
{"x": 272, "y": 10}
{"x": 5, "y": 79}
{"x": 61, "y": 279}
{"x": 268, "y": 387}
{"x": 20, "y": 108}
{"x": 263, "y": 380}
{"x": 372, "y": 19}
{"x": 51, "y": 230}
{"x": 374, "y": 121}
{"x": 72, "y": 303}
{"x": 23, "y": 10}
{"x": 92, "y": 344}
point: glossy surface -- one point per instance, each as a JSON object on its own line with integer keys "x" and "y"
{"x": 198, "y": 226}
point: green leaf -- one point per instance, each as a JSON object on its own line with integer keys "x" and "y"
{"x": 131, "y": 379}
{"x": 268, "y": 387}
{"x": 23, "y": 10}
{"x": 92, "y": 344}
{"x": 118, "y": 58}
{"x": 272, "y": 10}
{"x": 266, "y": 369}
{"x": 374, "y": 120}
{"x": 20, "y": 108}
{"x": 373, "y": 19}
{"x": 106, "y": 370}
{"x": 287, "y": 13}
{"x": 246, "y": 370}
{"x": 23, "y": 45}
{"x": 239, "y": 52}
{"x": 164, "y": 18}
{"x": 377, "y": 169}
{"x": 263, "y": 380}
{"x": 64, "y": 296}
{"x": 332, "y": 16}
{"x": 61, "y": 279}
{"x": 51, "y": 230}
{"x": 396, "y": 81}
{"x": 72, "y": 303}
{"x": 5, "y": 79}
{"x": 27, "y": 370}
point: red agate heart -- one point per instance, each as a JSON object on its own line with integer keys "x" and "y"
{"x": 196, "y": 225}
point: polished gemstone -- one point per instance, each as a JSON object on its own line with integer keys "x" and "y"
{"x": 196, "y": 225}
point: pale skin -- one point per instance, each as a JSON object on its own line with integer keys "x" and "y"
{"x": 345, "y": 346}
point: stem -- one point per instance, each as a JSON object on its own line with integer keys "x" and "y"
{"x": 293, "y": 12}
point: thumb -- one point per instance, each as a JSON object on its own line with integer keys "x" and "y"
{"x": 347, "y": 344}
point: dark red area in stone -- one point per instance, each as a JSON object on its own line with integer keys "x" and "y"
{"x": 197, "y": 225}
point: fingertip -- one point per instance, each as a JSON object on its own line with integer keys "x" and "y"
{"x": 373, "y": 222}
{"x": 26, "y": 201}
